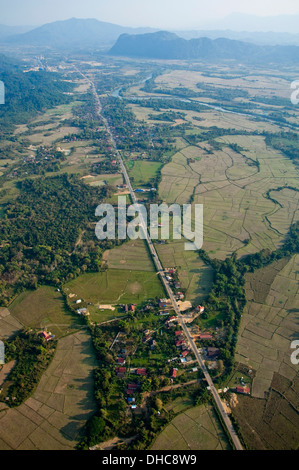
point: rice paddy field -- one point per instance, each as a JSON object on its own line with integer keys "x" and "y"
{"x": 233, "y": 193}
{"x": 194, "y": 429}
{"x": 269, "y": 324}
{"x": 54, "y": 416}
{"x": 269, "y": 418}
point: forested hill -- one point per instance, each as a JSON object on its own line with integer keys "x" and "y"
{"x": 164, "y": 45}
{"x": 29, "y": 93}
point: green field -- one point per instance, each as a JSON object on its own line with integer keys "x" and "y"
{"x": 143, "y": 172}
{"x": 116, "y": 286}
{"x": 195, "y": 429}
{"x": 132, "y": 255}
{"x": 44, "y": 308}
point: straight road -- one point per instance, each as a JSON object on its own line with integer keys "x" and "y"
{"x": 224, "y": 415}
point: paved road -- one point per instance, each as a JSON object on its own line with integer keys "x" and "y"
{"x": 168, "y": 289}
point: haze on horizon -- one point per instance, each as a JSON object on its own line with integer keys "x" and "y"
{"x": 164, "y": 14}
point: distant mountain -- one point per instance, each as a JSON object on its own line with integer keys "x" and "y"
{"x": 73, "y": 33}
{"x": 244, "y": 22}
{"x": 259, "y": 37}
{"x": 7, "y": 31}
{"x": 164, "y": 45}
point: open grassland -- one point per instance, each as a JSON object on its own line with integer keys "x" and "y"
{"x": 132, "y": 255}
{"x": 53, "y": 417}
{"x": 143, "y": 172}
{"x": 116, "y": 286}
{"x": 44, "y": 308}
{"x": 270, "y": 323}
{"x": 195, "y": 429}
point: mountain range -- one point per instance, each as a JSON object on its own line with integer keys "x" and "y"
{"x": 165, "y": 45}
{"x": 73, "y": 33}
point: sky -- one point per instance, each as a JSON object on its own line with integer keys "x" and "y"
{"x": 171, "y": 14}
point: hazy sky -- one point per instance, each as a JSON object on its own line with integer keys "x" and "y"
{"x": 155, "y": 13}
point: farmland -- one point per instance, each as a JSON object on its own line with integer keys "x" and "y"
{"x": 192, "y": 154}
{"x": 269, "y": 324}
{"x": 194, "y": 429}
{"x": 53, "y": 417}
{"x": 44, "y": 308}
{"x": 267, "y": 329}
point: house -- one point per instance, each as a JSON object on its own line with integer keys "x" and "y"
{"x": 120, "y": 371}
{"x": 212, "y": 352}
{"x": 180, "y": 343}
{"x": 141, "y": 372}
{"x": 132, "y": 388}
{"x": 132, "y": 308}
{"x": 245, "y": 390}
{"x": 205, "y": 336}
{"x": 200, "y": 308}
{"x": 164, "y": 303}
{"x": 173, "y": 373}
{"x": 47, "y": 336}
{"x": 178, "y": 333}
{"x": 83, "y": 311}
{"x": 171, "y": 319}
{"x": 121, "y": 360}
{"x": 131, "y": 400}
{"x": 180, "y": 296}
{"x": 78, "y": 301}
{"x": 185, "y": 353}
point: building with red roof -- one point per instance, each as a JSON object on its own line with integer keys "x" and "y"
{"x": 245, "y": 390}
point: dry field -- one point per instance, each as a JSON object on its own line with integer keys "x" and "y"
{"x": 195, "y": 429}
{"x": 233, "y": 192}
{"x": 53, "y": 417}
{"x": 270, "y": 323}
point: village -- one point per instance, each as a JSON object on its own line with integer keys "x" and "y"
{"x": 148, "y": 350}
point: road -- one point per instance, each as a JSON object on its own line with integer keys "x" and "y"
{"x": 168, "y": 289}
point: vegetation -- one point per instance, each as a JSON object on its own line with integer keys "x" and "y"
{"x": 40, "y": 230}
{"x": 32, "y": 355}
{"x": 227, "y": 298}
